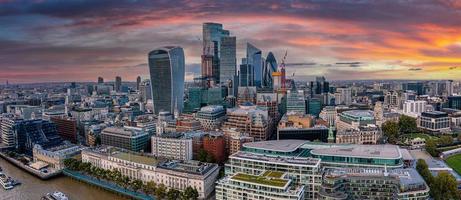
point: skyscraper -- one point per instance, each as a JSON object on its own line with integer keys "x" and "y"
{"x": 118, "y": 83}
{"x": 228, "y": 62}
{"x": 270, "y": 66}
{"x": 167, "y": 70}
{"x": 138, "y": 82}
{"x": 246, "y": 74}
{"x": 100, "y": 80}
{"x": 254, "y": 58}
{"x": 211, "y": 54}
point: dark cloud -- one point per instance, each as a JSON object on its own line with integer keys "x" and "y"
{"x": 415, "y": 69}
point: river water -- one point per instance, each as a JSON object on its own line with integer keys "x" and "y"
{"x": 33, "y": 188}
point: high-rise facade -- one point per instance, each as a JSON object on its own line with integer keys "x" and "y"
{"x": 138, "y": 82}
{"x": 254, "y": 59}
{"x": 246, "y": 74}
{"x": 166, "y": 67}
{"x": 118, "y": 83}
{"x": 228, "y": 61}
{"x": 270, "y": 66}
{"x": 211, "y": 54}
{"x": 100, "y": 80}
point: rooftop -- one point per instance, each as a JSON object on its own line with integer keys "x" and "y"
{"x": 367, "y": 151}
{"x": 359, "y": 113}
{"x": 146, "y": 160}
{"x": 276, "y": 145}
{"x": 261, "y": 180}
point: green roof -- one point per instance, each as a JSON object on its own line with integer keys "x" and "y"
{"x": 135, "y": 158}
{"x": 273, "y": 174}
{"x": 262, "y": 180}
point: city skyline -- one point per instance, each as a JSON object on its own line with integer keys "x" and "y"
{"x": 50, "y": 41}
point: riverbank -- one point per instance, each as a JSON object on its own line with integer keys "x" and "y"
{"x": 37, "y": 173}
{"x": 106, "y": 185}
{"x": 33, "y": 187}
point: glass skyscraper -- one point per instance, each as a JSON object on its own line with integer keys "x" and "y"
{"x": 211, "y": 54}
{"x": 228, "y": 62}
{"x": 255, "y": 60}
{"x": 270, "y": 66}
{"x": 166, "y": 68}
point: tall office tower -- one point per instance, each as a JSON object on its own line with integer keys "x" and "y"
{"x": 138, "y": 82}
{"x": 228, "y": 61}
{"x": 167, "y": 71}
{"x": 118, "y": 83}
{"x": 417, "y": 87}
{"x": 255, "y": 60}
{"x": 449, "y": 87}
{"x": 246, "y": 74}
{"x": 270, "y": 66}
{"x": 321, "y": 85}
{"x": 100, "y": 80}
{"x": 345, "y": 96}
{"x": 212, "y": 34}
{"x": 145, "y": 91}
{"x": 296, "y": 102}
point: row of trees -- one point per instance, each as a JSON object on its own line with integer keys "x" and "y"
{"x": 432, "y": 144}
{"x": 150, "y": 188}
{"x": 392, "y": 130}
{"x": 443, "y": 186}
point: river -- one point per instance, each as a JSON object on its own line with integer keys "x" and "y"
{"x": 33, "y": 188}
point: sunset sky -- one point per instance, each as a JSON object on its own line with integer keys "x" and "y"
{"x": 79, "y": 40}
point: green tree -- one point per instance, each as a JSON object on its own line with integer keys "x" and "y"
{"x": 391, "y": 131}
{"x": 189, "y": 193}
{"x": 150, "y": 187}
{"x": 423, "y": 170}
{"x": 136, "y": 184}
{"x": 407, "y": 124}
{"x": 446, "y": 140}
{"x": 173, "y": 194}
{"x": 202, "y": 155}
{"x": 160, "y": 192}
{"x": 210, "y": 158}
{"x": 431, "y": 147}
{"x": 444, "y": 187}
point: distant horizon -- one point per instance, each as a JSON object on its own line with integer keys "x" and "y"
{"x": 54, "y": 41}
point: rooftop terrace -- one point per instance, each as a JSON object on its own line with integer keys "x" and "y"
{"x": 146, "y": 160}
{"x": 261, "y": 180}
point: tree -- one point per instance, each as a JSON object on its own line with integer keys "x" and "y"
{"x": 423, "y": 170}
{"x": 160, "y": 192}
{"x": 446, "y": 140}
{"x": 444, "y": 187}
{"x": 431, "y": 147}
{"x": 210, "y": 158}
{"x": 202, "y": 155}
{"x": 173, "y": 194}
{"x": 136, "y": 184}
{"x": 407, "y": 124}
{"x": 150, "y": 187}
{"x": 391, "y": 131}
{"x": 189, "y": 193}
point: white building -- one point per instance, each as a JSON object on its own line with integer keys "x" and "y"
{"x": 411, "y": 107}
{"x": 328, "y": 114}
{"x": 55, "y": 156}
{"x": 346, "y": 96}
{"x": 174, "y": 146}
{"x": 173, "y": 174}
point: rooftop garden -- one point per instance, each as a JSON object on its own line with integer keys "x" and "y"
{"x": 263, "y": 180}
{"x": 273, "y": 174}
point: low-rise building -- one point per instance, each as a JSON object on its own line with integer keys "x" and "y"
{"x": 369, "y": 134}
{"x": 269, "y": 185}
{"x": 130, "y": 138}
{"x": 435, "y": 122}
{"x": 173, "y": 174}
{"x": 173, "y": 146}
{"x": 211, "y": 117}
{"x": 55, "y": 156}
{"x": 353, "y": 119}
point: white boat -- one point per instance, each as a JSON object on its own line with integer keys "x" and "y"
{"x": 6, "y": 182}
{"x": 55, "y": 196}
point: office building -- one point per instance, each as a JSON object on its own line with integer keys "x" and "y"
{"x": 254, "y": 58}
{"x": 130, "y": 138}
{"x": 66, "y": 127}
{"x": 299, "y": 126}
{"x": 372, "y": 183}
{"x": 145, "y": 91}
{"x": 369, "y": 134}
{"x": 166, "y": 68}
{"x": 118, "y": 83}
{"x": 296, "y": 102}
{"x": 214, "y": 144}
{"x": 416, "y": 87}
{"x": 23, "y": 135}
{"x": 246, "y": 94}
{"x": 454, "y": 102}
{"x": 415, "y": 108}
{"x": 353, "y": 119}
{"x": 435, "y": 122}
{"x": 228, "y": 60}
{"x": 186, "y": 124}
{"x": 246, "y": 74}
{"x": 173, "y": 174}
{"x": 314, "y": 107}
{"x": 269, "y": 185}
{"x": 344, "y": 96}
{"x": 270, "y": 66}
{"x": 172, "y": 146}
{"x": 235, "y": 139}
{"x": 100, "y": 80}
{"x": 138, "y": 82}
{"x": 249, "y": 119}
{"x": 54, "y": 157}
{"x": 213, "y": 49}
{"x": 328, "y": 114}
{"x": 211, "y": 117}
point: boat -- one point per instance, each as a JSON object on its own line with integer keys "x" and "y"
{"x": 6, "y": 182}
{"x": 55, "y": 196}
